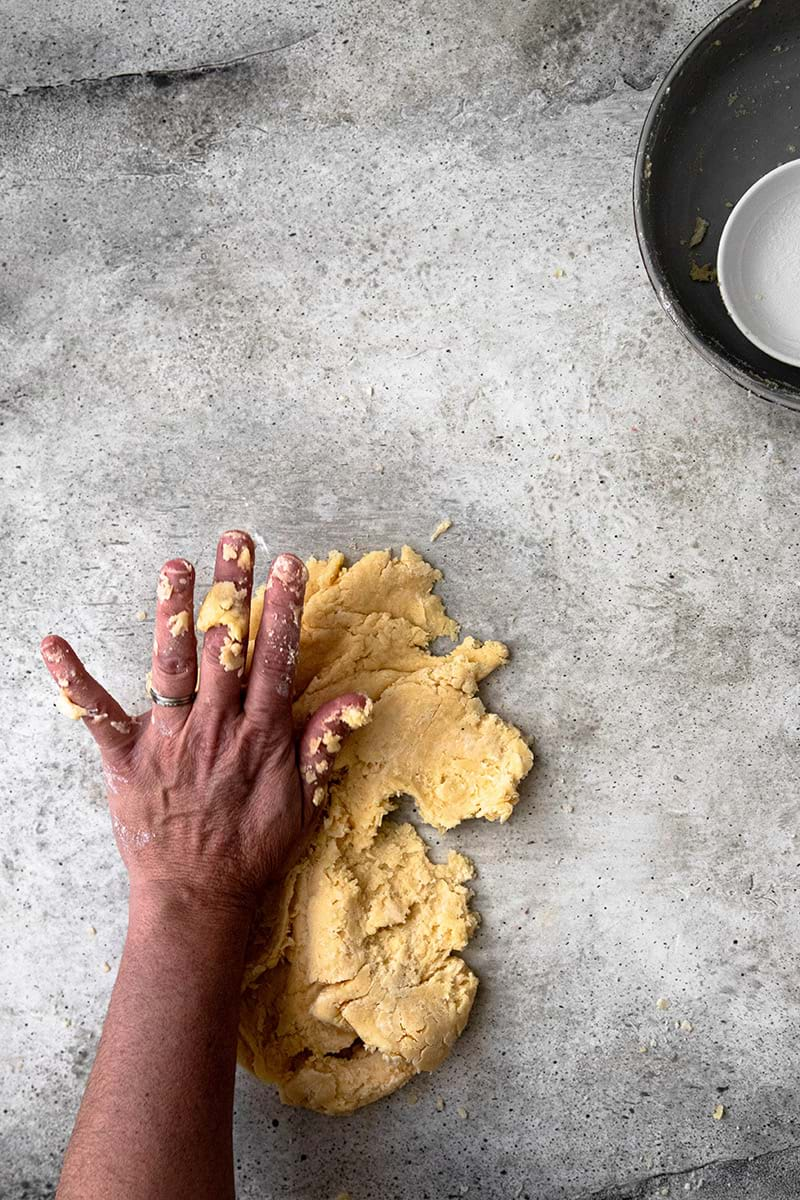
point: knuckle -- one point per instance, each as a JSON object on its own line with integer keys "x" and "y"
{"x": 172, "y": 664}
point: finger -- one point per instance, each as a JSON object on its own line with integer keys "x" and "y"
{"x": 271, "y": 683}
{"x": 224, "y": 618}
{"x": 322, "y": 739}
{"x": 174, "y": 668}
{"x": 82, "y": 696}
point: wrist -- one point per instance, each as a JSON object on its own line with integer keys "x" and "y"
{"x": 182, "y": 912}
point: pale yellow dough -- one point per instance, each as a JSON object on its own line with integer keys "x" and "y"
{"x": 227, "y": 605}
{"x": 354, "y": 983}
{"x": 68, "y": 707}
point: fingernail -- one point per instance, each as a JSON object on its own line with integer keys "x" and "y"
{"x": 236, "y": 547}
{"x": 289, "y": 570}
{"x": 176, "y": 575}
{"x": 52, "y": 654}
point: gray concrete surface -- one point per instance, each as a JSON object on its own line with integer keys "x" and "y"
{"x": 313, "y": 291}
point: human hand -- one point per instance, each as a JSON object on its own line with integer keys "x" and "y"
{"x": 213, "y": 798}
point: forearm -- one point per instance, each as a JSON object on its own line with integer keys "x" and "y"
{"x": 156, "y": 1117}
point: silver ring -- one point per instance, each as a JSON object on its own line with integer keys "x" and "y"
{"x": 171, "y": 701}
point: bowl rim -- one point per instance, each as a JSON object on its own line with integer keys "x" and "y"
{"x": 788, "y": 168}
{"x": 775, "y": 394}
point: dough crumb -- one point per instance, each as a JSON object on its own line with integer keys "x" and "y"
{"x": 141, "y": 615}
{"x": 90, "y": 929}
{"x": 179, "y": 623}
{"x": 231, "y": 655}
{"x": 703, "y": 272}
{"x": 106, "y": 967}
{"x": 229, "y": 552}
{"x": 463, "y": 1114}
{"x": 719, "y": 1112}
{"x": 69, "y": 708}
{"x": 227, "y": 605}
{"x": 355, "y": 717}
{"x": 686, "y": 1027}
{"x": 441, "y": 528}
{"x": 120, "y": 726}
{"x": 245, "y": 560}
{"x": 663, "y": 1003}
{"x": 440, "y": 1103}
{"x": 701, "y": 227}
{"x": 332, "y": 742}
{"x": 318, "y": 797}
{"x": 568, "y": 808}
{"x": 164, "y": 589}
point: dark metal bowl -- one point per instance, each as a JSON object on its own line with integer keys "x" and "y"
{"x": 727, "y": 112}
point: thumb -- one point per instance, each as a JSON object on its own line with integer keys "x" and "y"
{"x": 322, "y": 739}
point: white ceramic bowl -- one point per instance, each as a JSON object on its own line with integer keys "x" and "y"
{"x": 758, "y": 264}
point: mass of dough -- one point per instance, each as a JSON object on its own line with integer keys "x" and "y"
{"x": 354, "y": 982}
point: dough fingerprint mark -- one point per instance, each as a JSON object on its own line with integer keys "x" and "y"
{"x": 354, "y": 982}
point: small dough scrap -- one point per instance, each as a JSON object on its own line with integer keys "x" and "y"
{"x": 357, "y": 716}
{"x": 441, "y": 528}
{"x": 354, "y": 982}
{"x": 245, "y": 560}
{"x": 231, "y": 655}
{"x": 164, "y": 589}
{"x": 229, "y": 552}
{"x": 225, "y": 604}
{"x": 703, "y": 272}
{"x": 69, "y": 708}
{"x": 179, "y": 623}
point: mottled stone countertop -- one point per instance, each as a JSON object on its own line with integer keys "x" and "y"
{"x": 373, "y": 267}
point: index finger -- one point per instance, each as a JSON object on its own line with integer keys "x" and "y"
{"x": 271, "y": 682}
